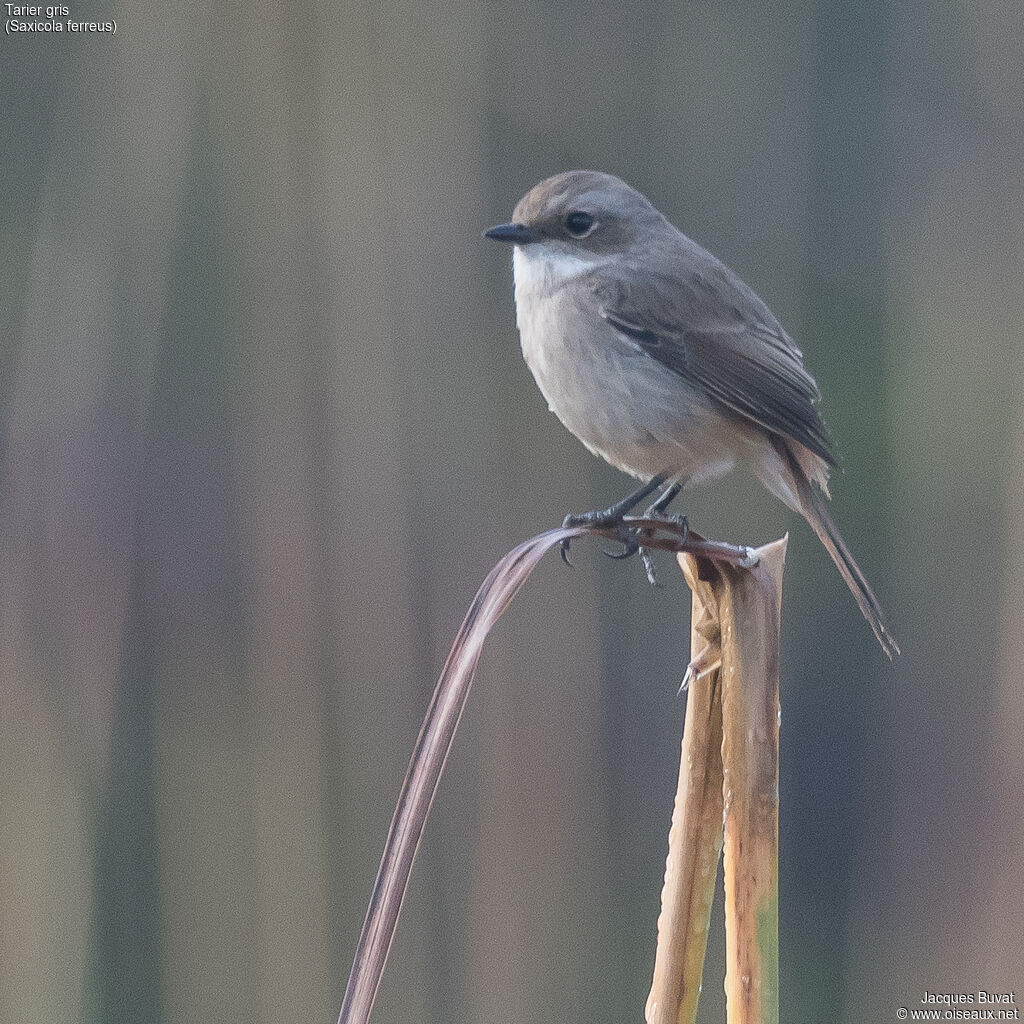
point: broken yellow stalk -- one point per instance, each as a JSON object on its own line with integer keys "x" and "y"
{"x": 749, "y": 615}
{"x": 730, "y": 762}
{"x": 695, "y": 839}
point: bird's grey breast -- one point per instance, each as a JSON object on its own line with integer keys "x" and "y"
{"x": 621, "y": 403}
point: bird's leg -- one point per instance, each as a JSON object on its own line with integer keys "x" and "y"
{"x": 613, "y": 515}
{"x": 665, "y": 499}
{"x": 657, "y": 508}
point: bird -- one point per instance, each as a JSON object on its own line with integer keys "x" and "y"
{"x": 663, "y": 362}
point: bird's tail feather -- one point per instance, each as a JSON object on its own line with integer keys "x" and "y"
{"x": 815, "y": 511}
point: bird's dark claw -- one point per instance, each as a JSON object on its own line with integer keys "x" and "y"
{"x": 629, "y": 547}
{"x": 563, "y": 551}
{"x": 567, "y": 524}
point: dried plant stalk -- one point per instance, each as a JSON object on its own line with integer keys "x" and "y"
{"x": 729, "y": 762}
{"x": 749, "y": 615}
{"x": 442, "y": 719}
{"x": 695, "y": 839}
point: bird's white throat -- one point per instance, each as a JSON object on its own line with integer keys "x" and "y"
{"x": 540, "y": 267}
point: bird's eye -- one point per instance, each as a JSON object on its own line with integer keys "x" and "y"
{"x": 578, "y": 223}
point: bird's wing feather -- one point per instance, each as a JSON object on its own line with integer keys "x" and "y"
{"x": 715, "y": 332}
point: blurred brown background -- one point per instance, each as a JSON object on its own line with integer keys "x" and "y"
{"x": 265, "y": 427}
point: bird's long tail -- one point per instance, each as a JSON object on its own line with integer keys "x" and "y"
{"x": 814, "y": 509}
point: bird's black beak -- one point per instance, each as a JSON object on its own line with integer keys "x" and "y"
{"x": 517, "y": 234}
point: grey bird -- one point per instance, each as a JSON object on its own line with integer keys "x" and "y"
{"x": 662, "y": 361}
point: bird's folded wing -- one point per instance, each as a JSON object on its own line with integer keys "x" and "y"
{"x": 746, "y": 363}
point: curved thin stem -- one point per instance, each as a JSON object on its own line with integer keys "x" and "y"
{"x": 438, "y": 731}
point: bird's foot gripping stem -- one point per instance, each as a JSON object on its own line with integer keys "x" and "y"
{"x": 612, "y": 518}
{"x": 632, "y": 533}
{"x": 680, "y": 523}
{"x": 608, "y": 520}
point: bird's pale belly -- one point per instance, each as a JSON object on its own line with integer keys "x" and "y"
{"x": 621, "y": 403}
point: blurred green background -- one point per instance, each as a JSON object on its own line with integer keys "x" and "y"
{"x": 265, "y": 427}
